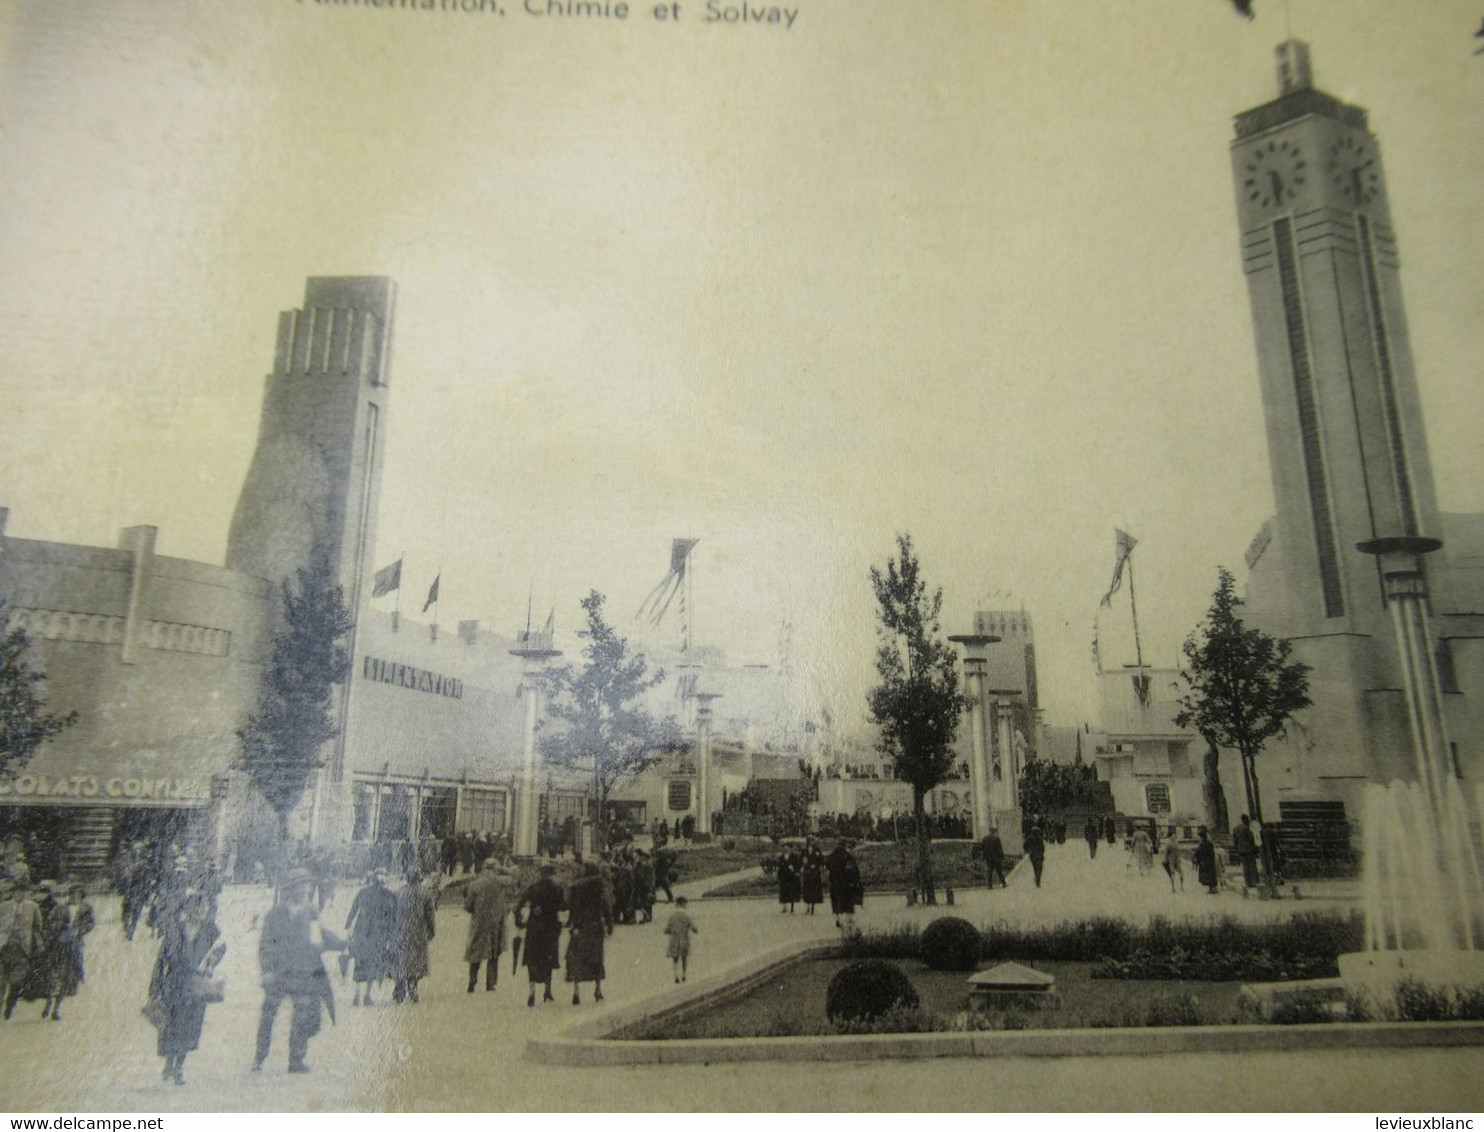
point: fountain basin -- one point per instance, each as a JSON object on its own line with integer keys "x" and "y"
{"x": 1379, "y": 972}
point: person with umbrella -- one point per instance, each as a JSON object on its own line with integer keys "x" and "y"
{"x": 289, "y": 955}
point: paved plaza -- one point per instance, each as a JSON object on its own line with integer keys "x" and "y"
{"x": 461, "y": 1051}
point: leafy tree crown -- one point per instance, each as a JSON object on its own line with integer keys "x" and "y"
{"x": 24, "y": 721}
{"x": 281, "y": 741}
{"x": 603, "y": 725}
{"x": 917, "y": 705}
{"x": 1241, "y": 686}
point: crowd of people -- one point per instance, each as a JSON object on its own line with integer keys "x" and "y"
{"x": 804, "y": 873}
{"x": 171, "y": 893}
{"x": 43, "y": 932}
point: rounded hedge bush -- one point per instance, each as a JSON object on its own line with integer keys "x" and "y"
{"x": 868, "y": 989}
{"x": 951, "y": 944}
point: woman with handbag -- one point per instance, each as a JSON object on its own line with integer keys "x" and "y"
{"x": 184, "y": 981}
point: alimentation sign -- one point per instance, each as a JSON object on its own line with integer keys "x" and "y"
{"x": 415, "y": 679}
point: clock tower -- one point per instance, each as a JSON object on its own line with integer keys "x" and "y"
{"x": 1344, "y": 426}
{"x": 1345, "y": 440}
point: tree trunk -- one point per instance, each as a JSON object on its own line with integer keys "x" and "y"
{"x": 1265, "y": 857}
{"x": 1217, "y": 817}
{"x": 281, "y": 865}
{"x": 924, "y": 849}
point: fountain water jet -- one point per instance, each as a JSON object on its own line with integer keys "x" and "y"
{"x": 1422, "y": 890}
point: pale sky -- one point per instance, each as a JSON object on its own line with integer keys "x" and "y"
{"x": 963, "y": 269}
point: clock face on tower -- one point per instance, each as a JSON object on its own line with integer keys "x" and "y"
{"x": 1352, "y": 170}
{"x": 1275, "y": 173}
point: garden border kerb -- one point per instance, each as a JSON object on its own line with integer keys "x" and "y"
{"x": 592, "y": 1043}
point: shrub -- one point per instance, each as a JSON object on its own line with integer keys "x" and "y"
{"x": 896, "y": 1020}
{"x": 1418, "y": 1002}
{"x": 1470, "y": 1005}
{"x": 900, "y": 942}
{"x": 951, "y": 944}
{"x": 867, "y": 989}
{"x": 1301, "y": 1012}
{"x": 1173, "y": 1010}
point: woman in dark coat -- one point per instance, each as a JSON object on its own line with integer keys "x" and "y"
{"x": 845, "y": 882}
{"x": 1205, "y": 862}
{"x": 188, "y": 947}
{"x": 372, "y": 923}
{"x": 539, "y": 913}
{"x": 812, "y": 889}
{"x": 590, "y": 919}
{"x": 50, "y": 961}
{"x": 643, "y": 899}
{"x": 788, "y": 881}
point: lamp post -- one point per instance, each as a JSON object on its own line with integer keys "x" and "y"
{"x": 975, "y": 663}
{"x": 535, "y": 651}
{"x": 703, "y": 759}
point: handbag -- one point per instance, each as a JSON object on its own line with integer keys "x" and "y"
{"x": 205, "y": 988}
{"x": 156, "y": 1013}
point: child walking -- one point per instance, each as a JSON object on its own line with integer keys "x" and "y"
{"x": 678, "y": 927}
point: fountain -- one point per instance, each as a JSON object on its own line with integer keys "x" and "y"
{"x": 1423, "y": 881}
{"x": 1422, "y": 890}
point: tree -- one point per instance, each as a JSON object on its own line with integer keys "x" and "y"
{"x": 1241, "y": 689}
{"x": 604, "y": 728}
{"x": 24, "y": 721}
{"x": 917, "y": 705}
{"x": 282, "y": 739}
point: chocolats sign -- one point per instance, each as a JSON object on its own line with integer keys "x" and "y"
{"x": 104, "y": 790}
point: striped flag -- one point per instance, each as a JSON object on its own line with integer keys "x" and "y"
{"x": 659, "y": 598}
{"x": 388, "y": 578}
{"x": 1124, "y": 546}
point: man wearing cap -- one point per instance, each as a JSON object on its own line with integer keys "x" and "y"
{"x": 289, "y": 955}
{"x": 20, "y": 936}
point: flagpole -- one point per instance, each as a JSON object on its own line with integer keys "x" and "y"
{"x": 685, "y": 604}
{"x": 1134, "y": 609}
{"x": 397, "y": 611}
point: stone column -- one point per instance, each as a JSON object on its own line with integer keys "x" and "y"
{"x": 1002, "y": 788}
{"x": 975, "y": 661}
{"x": 524, "y": 842}
{"x": 703, "y": 759}
{"x": 1400, "y": 560}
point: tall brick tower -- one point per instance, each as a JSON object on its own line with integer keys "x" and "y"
{"x": 313, "y": 488}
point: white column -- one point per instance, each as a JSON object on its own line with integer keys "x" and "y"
{"x": 980, "y": 774}
{"x": 1002, "y": 784}
{"x": 524, "y": 844}
{"x": 703, "y": 760}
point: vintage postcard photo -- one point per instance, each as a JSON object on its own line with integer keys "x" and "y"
{"x": 651, "y": 555}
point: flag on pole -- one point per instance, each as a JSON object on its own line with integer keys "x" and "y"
{"x": 549, "y": 629}
{"x": 432, "y": 594}
{"x": 658, "y": 601}
{"x": 388, "y": 578}
{"x": 1124, "y": 546}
